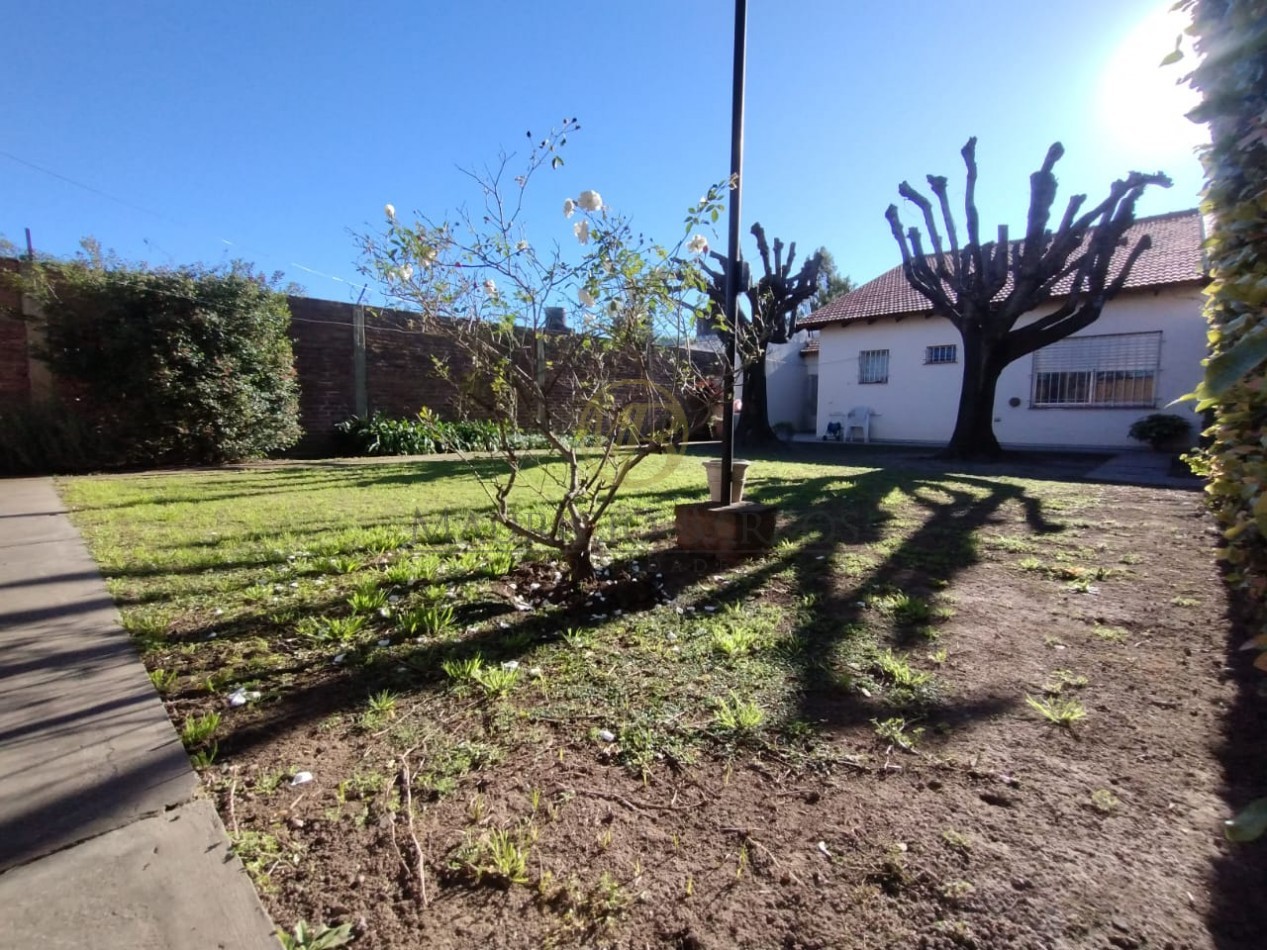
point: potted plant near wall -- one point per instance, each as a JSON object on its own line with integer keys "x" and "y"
{"x": 1164, "y": 431}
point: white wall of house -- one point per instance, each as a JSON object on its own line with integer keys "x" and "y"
{"x": 785, "y": 373}
{"x": 785, "y": 381}
{"x": 919, "y": 401}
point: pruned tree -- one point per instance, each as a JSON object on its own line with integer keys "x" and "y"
{"x": 985, "y": 288}
{"x": 772, "y": 305}
{"x": 599, "y": 392}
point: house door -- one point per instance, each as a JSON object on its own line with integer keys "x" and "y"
{"x": 809, "y": 411}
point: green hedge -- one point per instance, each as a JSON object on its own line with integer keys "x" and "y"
{"x": 425, "y": 434}
{"x": 158, "y": 367}
{"x": 1232, "y": 78}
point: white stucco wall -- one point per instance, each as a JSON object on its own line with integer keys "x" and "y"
{"x": 919, "y": 402}
{"x": 785, "y": 381}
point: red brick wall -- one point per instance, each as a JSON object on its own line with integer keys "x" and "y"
{"x": 15, "y": 378}
{"x": 399, "y": 368}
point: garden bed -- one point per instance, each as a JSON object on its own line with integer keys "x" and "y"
{"x": 948, "y": 710}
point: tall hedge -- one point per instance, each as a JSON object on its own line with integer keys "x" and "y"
{"x": 1231, "y": 36}
{"x": 187, "y": 365}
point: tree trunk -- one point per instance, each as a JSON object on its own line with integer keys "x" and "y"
{"x": 580, "y": 558}
{"x": 754, "y": 429}
{"x": 973, "y": 437}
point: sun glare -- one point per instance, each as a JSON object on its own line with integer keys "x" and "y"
{"x": 1141, "y": 104}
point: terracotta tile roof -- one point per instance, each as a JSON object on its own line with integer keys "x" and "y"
{"x": 1174, "y": 258}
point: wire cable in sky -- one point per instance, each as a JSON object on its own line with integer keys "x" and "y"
{"x": 135, "y": 207}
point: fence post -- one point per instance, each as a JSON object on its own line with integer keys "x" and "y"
{"x": 360, "y": 388}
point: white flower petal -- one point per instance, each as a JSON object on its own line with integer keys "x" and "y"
{"x": 582, "y": 231}
{"x": 590, "y": 201}
{"x": 568, "y": 207}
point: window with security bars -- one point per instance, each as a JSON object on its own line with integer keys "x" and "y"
{"x": 943, "y": 353}
{"x": 873, "y": 366}
{"x": 1113, "y": 369}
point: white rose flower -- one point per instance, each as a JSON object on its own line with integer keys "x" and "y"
{"x": 582, "y": 231}
{"x": 391, "y": 211}
{"x": 428, "y": 257}
{"x": 698, "y": 244}
{"x": 585, "y": 297}
{"x": 568, "y": 207}
{"x": 490, "y": 287}
{"x": 590, "y": 201}
{"x": 522, "y": 246}
{"x": 406, "y": 272}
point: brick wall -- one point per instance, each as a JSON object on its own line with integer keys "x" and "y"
{"x": 15, "y": 374}
{"x": 399, "y": 374}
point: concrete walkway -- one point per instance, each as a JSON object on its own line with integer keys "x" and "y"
{"x": 104, "y": 838}
{"x": 1149, "y": 469}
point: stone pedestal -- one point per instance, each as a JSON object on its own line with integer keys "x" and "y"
{"x": 726, "y": 531}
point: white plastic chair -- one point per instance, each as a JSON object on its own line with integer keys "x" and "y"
{"x": 859, "y": 418}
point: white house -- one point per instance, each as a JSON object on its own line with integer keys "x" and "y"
{"x": 880, "y": 347}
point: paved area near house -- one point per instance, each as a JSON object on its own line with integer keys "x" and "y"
{"x": 103, "y": 838}
{"x": 1150, "y": 469}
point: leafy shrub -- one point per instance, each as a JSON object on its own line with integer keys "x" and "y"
{"x": 1160, "y": 429}
{"x": 189, "y": 365}
{"x": 426, "y": 434}
{"x": 47, "y": 437}
{"x": 1234, "y": 93}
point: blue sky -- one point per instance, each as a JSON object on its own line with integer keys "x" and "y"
{"x": 267, "y": 131}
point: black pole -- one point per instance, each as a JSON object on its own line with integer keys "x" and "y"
{"x": 732, "y": 268}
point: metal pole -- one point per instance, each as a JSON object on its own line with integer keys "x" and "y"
{"x": 732, "y": 268}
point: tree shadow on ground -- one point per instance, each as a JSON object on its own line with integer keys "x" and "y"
{"x": 826, "y": 516}
{"x": 1238, "y": 915}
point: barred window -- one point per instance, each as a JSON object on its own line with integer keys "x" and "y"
{"x": 1113, "y": 369}
{"x": 873, "y": 366}
{"x": 943, "y": 353}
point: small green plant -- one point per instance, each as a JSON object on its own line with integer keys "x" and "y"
{"x": 1058, "y": 710}
{"x": 341, "y": 564}
{"x": 956, "y": 841}
{"x": 1161, "y": 430}
{"x": 368, "y": 599}
{"x": 306, "y": 936}
{"x": 1062, "y": 678}
{"x": 899, "y": 732}
{"x": 380, "y": 709}
{"x": 463, "y": 671}
{"x": 205, "y": 757}
{"x": 497, "y": 855}
{"x": 427, "y": 620}
{"x": 939, "y": 657}
{"x": 955, "y": 890}
{"x": 258, "y": 851}
{"x": 1182, "y": 601}
{"x": 737, "y": 716}
{"x": 1104, "y": 801}
{"x": 198, "y": 729}
{"x": 900, "y": 672}
{"x": 332, "y": 630}
{"x": 496, "y": 680}
{"x": 1112, "y": 634}
{"x": 164, "y": 680}
{"x": 737, "y": 641}
{"x": 1031, "y": 564}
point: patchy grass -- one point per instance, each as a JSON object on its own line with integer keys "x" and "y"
{"x": 643, "y": 759}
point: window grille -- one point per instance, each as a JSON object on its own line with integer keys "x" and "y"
{"x": 1113, "y": 369}
{"x": 873, "y": 366}
{"x": 943, "y": 353}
